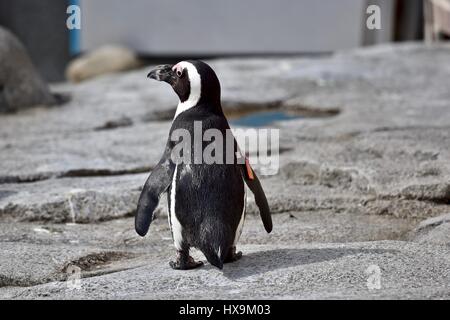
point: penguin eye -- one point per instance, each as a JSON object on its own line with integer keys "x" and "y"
{"x": 179, "y": 73}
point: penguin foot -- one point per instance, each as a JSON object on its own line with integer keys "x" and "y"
{"x": 185, "y": 264}
{"x": 232, "y": 255}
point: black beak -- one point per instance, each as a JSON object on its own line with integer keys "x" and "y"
{"x": 162, "y": 73}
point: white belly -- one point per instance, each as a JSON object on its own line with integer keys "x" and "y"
{"x": 174, "y": 224}
{"x": 241, "y": 222}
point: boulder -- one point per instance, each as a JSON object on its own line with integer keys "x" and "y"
{"x": 21, "y": 86}
{"x": 106, "y": 59}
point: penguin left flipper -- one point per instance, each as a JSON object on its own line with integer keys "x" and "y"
{"x": 254, "y": 185}
{"x": 158, "y": 182}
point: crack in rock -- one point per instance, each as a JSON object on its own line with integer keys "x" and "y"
{"x": 114, "y": 124}
{"x": 90, "y": 265}
{"x": 79, "y": 206}
{"x": 95, "y": 260}
{"x": 104, "y": 172}
{"x": 438, "y": 193}
{"x": 73, "y": 173}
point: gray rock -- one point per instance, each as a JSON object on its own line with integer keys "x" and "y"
{"x": 433, "y": 230}
{"x": 76, "y": 200}
{"x": 86, "y": 153}
{"x": 313, "y": 271}
{"x": 29, "y": 264}
{"x": 41, "y": 253}
{"x": 20, "y": 85}
{"x": 439, "y": 192}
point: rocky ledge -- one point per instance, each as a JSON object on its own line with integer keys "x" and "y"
{"x": 360, "y": 203}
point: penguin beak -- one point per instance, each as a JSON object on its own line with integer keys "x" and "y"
{"x": 162, "y": 73}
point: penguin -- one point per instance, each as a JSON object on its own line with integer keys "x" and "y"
{"x": 206, "y": 201}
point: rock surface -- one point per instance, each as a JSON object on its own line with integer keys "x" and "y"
{"x": 433, "y": 230}
{"x": 361, "y": 170}
{"x": 21, "y": 86}
{"x": 302, "y": 258}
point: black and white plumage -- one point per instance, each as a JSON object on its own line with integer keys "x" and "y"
{"x": 206, "y": 201}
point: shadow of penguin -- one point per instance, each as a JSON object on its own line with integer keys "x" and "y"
{"x": 268, "y": 260}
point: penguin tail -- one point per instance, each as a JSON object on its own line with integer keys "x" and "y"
{"x": 214, "y": 257}
{"x": 216, "y": 240}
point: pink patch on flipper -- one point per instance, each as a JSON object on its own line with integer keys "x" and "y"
{"x": 177, "y": 68}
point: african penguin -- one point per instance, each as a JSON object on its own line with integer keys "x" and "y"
{"x": 206, "y": 201}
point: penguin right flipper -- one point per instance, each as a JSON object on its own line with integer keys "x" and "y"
{"x": 254, "y": 185}
{"x": 158, "y": 182}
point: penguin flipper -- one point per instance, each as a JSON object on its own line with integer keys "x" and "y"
{"x": 158, "y": 182}
{"x": 254, "y": 185}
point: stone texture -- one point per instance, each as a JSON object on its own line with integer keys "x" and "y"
{"x": 71, "y": 199}
{"x": 433, "y": 230}
{"x": 85, "y": 153}
{"x": 41, "y": 254}
{"x": 21, "y": 86}
{"x": 316, "y": 271}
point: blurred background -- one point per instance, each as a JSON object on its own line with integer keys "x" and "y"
{"x": 155, "y": 29}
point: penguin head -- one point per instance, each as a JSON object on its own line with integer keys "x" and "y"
{"x": 193, "y": 81}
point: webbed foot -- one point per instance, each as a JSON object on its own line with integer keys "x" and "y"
{"x": 184, "y": 262}
{"x": 232, "y": 255}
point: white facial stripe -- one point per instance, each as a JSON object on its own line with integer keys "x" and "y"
{"x": 195, "y": 85}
